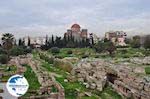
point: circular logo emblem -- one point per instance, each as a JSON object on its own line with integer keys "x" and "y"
{"x": 17, "y": 85}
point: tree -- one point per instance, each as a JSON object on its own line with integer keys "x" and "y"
{"x": 87, "y": 42}
{"x": 128, "y": 40}
{"x": 21, "y": 42}
{"x": 15, "y": 44}
{"x": 46, "y": 40}
{"x": 58, "y": 42}
{"x": 29, "y": 42}
{"x": 135, "y": 43}
{"x": 52, "y": 42}
{"x": 3, "y": 58}
{"x": 7, "y": 42}
{"x": 102, "y": 46}
{"x": 15, "y": 51}
{"x": 99, "y": 47}
{"x": 64, "y": 41}
{"x": 110, "y": 47}
{"x": 70, "y": 44}
{"x": 147, "y": 42}
{"x": 55, "y": 50}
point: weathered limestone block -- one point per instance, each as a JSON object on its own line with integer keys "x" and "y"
{"x": 81, "y": 79}
{"x": 147, "y": 87}
{"x": 71, "y": 59}
{"x": 92, "y": 85}
{"x": 87, "y": 85}
{"x": 139, "y": 70}
{"x": 99, "y": 87}
{"x": 145, "y": 95}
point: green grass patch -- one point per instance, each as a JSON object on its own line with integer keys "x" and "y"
{"x": 8, "y": 70}
{"x": 70, "y": 88}
{"x": 32, "y": 79}
{"x": 76, "y": 52}
{"x": 147, "y": 70}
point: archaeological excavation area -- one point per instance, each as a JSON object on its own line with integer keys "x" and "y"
{"x": 72, "y": 77}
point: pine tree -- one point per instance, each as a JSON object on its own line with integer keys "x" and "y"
{"x": 20, "y": 42}
{"x": 46, "y": 40}
{"x": 53, "y": 42}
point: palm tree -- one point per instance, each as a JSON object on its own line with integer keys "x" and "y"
{"x": 7, "y": 42}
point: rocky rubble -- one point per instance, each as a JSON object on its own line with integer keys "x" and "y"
{"x": 142, "y": 60}
{"x": 94, "y": 73}
{"x": 91, "y": 73}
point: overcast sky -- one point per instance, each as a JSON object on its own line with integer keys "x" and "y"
{"x": 41, "y": 17}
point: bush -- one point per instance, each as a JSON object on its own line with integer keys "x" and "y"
{"x": 97, "y": 56}
{"x": 66, "y": 66}
{"x": 127, "y": 46}
{"x": 124, "y": 51}
{"x": 146, "y": 52}
{"x": 147, "y": 70}
{"x": 3, "y": 59}
{"x": 69, "y": 52}
{"x": 27, "y": 50}
{"x": 2, "y": 51}
{"x": 50, "y": 60}
{"x": 58, "y": 56}
{"x": 15, "y": 51}
{"x": 85, "y": 56}
{"x": 126, "y": 55}
{"x": 55, "y": 50}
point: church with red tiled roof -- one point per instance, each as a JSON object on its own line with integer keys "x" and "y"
{"x": 76, "y": 32}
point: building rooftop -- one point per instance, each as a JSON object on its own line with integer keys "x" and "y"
{"x": 75, "y": 26}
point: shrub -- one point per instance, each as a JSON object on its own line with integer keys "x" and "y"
{"x": 96, "y": 56}
{"x": 15, "y": 51}
{"x": 146, "y": 52}
{"x": 3, "y": 59}
{"x": 66, "y": 66}
{"x": 2, "y": 51}
{"x": 127, "y": 46}
{"x": 126, "y": 55}
{"x": 58, "y": 56}
{"x": 69, "y": 52}
{"x": 147, "y": 70}
{"x": 50, "y": 60}
{"x": 85, "y": 56}
{"x": 124, "y": 51}
{"x": 27, "y": 50}
{"x": 55, "y": 50}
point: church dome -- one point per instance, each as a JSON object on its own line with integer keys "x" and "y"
{"x": 75, "y": 26}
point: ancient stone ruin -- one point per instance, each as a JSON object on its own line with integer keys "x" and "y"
{"x": 91, "y": 73}
{"x": 45, "y": 78}
{"x": 96, "y": 73}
